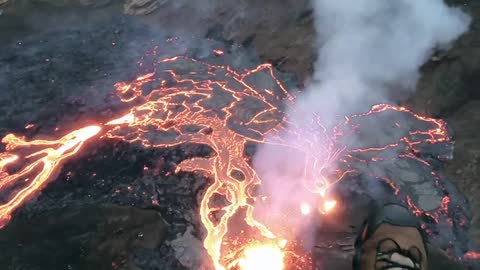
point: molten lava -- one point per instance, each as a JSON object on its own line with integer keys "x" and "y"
{"x": 262, "y": 257}
{"x": 472, "y": 255}
{"x": 42, "y": 164}
{"x": 214, "y": 112}
{"x": 327, "y": 206}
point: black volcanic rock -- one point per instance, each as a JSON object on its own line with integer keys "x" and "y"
{"x": 89, "y": 237}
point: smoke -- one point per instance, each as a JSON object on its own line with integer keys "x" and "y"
{"x": 367, "y": 45}
{"x": 369, "y": 52}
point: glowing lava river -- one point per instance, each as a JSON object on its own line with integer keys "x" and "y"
{"x": 184, "y": 109}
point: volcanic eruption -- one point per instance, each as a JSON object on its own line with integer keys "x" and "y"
{"x": 256, "y": 205}
{"x": 369, "y": 52}
{"x": 180, "y": 110}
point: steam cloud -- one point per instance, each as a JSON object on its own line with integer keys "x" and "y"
{"x": 368, "y": 44}
{"x": 365, "y": 48}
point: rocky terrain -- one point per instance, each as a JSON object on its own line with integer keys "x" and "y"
{"x": 55, "y": 83}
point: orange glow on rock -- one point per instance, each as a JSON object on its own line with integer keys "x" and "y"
{"x": 218, "y": 52}
{"x": 327, "y": 206}
{"x": 126, "y": 119}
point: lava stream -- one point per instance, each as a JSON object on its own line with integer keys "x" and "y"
{"x": 42, "y": 165}
{"x": 214, "y": 107}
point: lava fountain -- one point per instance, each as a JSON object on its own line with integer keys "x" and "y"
{"x": 224, "y": 112}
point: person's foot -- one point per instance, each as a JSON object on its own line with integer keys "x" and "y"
{"x": 391, "y": 238}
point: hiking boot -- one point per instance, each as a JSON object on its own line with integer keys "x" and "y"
{"x": 391, "y": 238}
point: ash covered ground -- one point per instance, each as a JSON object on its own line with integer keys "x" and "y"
{"x": 121, "y": 206}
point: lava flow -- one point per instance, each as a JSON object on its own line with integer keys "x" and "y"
{"x": 224, "y": 111}
{"x": 42, "y": 164}
{"x": 262, "y": 257}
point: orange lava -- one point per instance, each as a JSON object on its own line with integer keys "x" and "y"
{"x": 42, "y": 164}
{"x": 218, "y": 52}
{"x": 189, "y": 111}
{"x": 260, "y": 257}
{"x": 328, "y": 206}
{"x": 325, "y": 207}
{"x": 472, "y": 255}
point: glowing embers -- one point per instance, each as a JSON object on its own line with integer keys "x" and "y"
{"x": 325, "y": 207}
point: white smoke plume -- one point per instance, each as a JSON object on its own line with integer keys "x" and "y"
{"x": 365, "y": 45}
{"x": 364, "y": 48}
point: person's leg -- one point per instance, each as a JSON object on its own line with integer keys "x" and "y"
{"x": 391, "y": 238}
